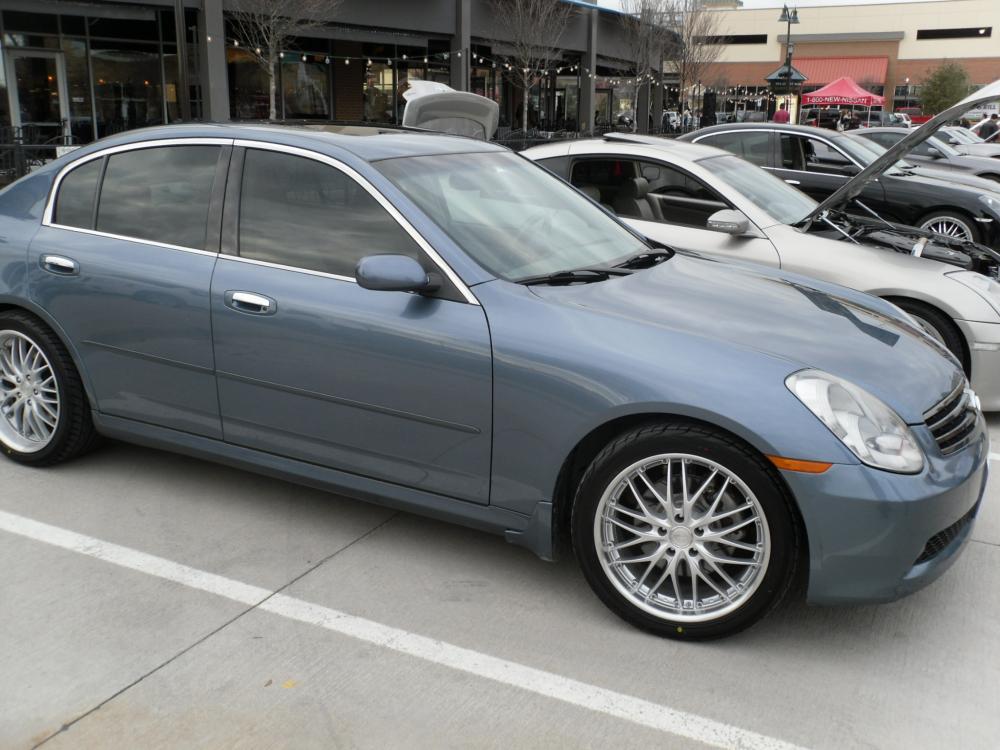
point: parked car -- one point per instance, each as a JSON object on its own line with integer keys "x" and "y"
{"x": 707, "y": 200}
{"x": 435, "y": 323}
{"x": 937, "y": 153}
{"x": 965, "y": 141}
{"x": 819, "y": 162}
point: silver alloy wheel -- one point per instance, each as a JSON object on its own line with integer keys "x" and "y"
{"x": 29, "y": 394}
{"x": 949, "y": 226}
{"x": 682, "y": 537}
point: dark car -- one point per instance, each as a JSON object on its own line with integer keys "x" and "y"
{"x": 937, "y": 153}
{"x": 819, "y": 161}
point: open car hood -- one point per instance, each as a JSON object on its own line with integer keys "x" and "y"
{"x": 435, "y": 106}
{"x": 853, "y": 187}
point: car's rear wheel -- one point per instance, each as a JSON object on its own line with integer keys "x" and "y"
{"x": 951, "y": 224}
{"x": 44, "y": 415}
{"x": 685, "y": 532}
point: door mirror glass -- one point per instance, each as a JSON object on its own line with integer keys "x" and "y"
{"x": 393, "y": 273}
{"x": 729, "y": 221}
{"x": 933, "y": 152}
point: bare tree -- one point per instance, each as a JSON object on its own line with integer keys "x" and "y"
{"x": 692, "y": 52}
{"x": 647, "y": 27}
{"x": 532, "y": 30}
{"x": 264, "y": 27}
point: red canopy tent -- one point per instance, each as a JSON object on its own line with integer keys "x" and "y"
{"x": 843, "y": 91}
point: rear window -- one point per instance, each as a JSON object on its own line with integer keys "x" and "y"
{"x": 75, "y": 202}
{"x": 159, "y": 194}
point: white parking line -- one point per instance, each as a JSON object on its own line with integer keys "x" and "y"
{"x": 584, "y": 695}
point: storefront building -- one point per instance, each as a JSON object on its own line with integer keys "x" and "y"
{"x": 75, "y": 71}
{"x": 887, "y": 48}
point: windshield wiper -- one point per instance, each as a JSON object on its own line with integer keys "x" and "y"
{"x": 646, "y": 259}
{"x": 578, "y": 276}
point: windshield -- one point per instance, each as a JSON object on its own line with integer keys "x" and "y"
{"x": 866, "y": 151}
{"x": 514, "y": 218}
{"x": 770, "y": 194}
{"x": 962, "y": 135}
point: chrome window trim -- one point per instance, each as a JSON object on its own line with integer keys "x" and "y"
{"x": 379, "y": 198}
{"x": 296, "y": 269}
{"x": 54, "y": 191}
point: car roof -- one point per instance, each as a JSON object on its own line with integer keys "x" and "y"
{"x": 787, "y": 127}
{"x": 364, "y": 142}
{"x": 885, "y": 129}
{"x": 649, "y": 145}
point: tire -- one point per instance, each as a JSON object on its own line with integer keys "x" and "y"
{"x": 44, "y": 413}
{"x": 951, "y": 224}
{"x": 937, "y": 324}
{"x": 757, "y": 580}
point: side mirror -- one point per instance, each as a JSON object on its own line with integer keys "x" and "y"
{"x": 933, "y": 153}
{"x": 849, "y": 169}
{"x": 393, "y": 273}
{"x": 729, "y": 221}
{"x": 954, "y": 142}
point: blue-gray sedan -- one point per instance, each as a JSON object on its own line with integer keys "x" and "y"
{"x": 436, "y": 324}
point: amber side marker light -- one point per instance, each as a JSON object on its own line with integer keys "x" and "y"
{"x": 795, "y": 464}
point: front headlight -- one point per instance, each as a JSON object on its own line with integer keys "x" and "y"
{"x": 870, "y": 429}
{"x": 984, "y": 286}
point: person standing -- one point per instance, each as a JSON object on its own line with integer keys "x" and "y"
{"x": 989, "y": 128}
{"x": 781, "y": 116}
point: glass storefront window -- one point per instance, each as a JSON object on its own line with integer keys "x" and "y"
{"x": 379, "y": 93}
{"x": 306, "y": 88}
{"x": 127, "y": 85}
{"x": 81, "y": 123}
{"x": 567, "y": 102}
{"x": 248, "y": 86}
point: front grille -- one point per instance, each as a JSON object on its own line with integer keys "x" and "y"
{"x": 945, "y": 537}
{"x": 953, "y": 421}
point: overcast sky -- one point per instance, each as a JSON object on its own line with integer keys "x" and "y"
{"x": 793, "y": 3}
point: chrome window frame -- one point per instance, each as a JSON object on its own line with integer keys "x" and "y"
{"x": 353, "y": 174}
{"x": 57, "y": 182}
{"x": 423, "y": 244}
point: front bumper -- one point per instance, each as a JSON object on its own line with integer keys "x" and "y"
{"x": 867, "y": 529}
{"x": 984, "y": 357}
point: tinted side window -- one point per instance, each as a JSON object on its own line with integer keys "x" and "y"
{"x": 754, "y": 147}
{"x": 75, "y": 201}
{"x": 822, "y": 158}
{"x": 302, "y": 213}
{"x": 159, "y": 194}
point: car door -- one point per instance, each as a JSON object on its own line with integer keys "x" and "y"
{"x": 123, "y": 263}
{"x": 392, "y": 386}
{"x": 671, "y": 206}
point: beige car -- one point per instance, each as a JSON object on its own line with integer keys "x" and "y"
{"x": 706, "y": 200}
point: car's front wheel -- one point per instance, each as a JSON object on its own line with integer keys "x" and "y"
{"x": 951, "y": 224}
{"x": 683, "y": 531}
{"x": 44, "y": 415}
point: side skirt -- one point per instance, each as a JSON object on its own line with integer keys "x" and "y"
{"x": 530, "y": 532}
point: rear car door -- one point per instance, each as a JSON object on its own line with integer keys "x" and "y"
{"x": 123, "y": 263}
{"x": 391, "y": 386}
{"x": 667, "y": 204}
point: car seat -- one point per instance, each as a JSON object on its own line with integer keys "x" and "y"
{"x": 631, "y": 200}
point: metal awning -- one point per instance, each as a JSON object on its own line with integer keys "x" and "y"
{"x": 781, "y": 75}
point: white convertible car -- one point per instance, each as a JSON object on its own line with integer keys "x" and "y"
{"x": 706, "y": 200}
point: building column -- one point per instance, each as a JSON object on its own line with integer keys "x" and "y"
{"x": 462, "y": 40}
{"x": 214, "y": 78}
{"x": 657, "y": 85}
{"x": 588, "y": 67}
{"x": 642, "y": 109}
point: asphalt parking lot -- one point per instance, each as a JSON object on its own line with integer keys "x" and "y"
{"x": 138, "y": 609}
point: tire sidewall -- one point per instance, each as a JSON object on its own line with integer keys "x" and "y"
{"x": 773, "y": 500}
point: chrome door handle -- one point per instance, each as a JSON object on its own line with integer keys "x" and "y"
{"x": 59, "y": 265}
{"x": 250, "y": 302}
{"x": 793, "y": 182}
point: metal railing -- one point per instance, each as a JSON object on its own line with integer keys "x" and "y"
{"x": 25, "y": 148}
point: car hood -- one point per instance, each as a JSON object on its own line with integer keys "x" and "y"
{"x": 808, "y": 323}
{"x": 978, "y": 149}
{"x": 956, "y": 177}
{"x": 853, "y": 187}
